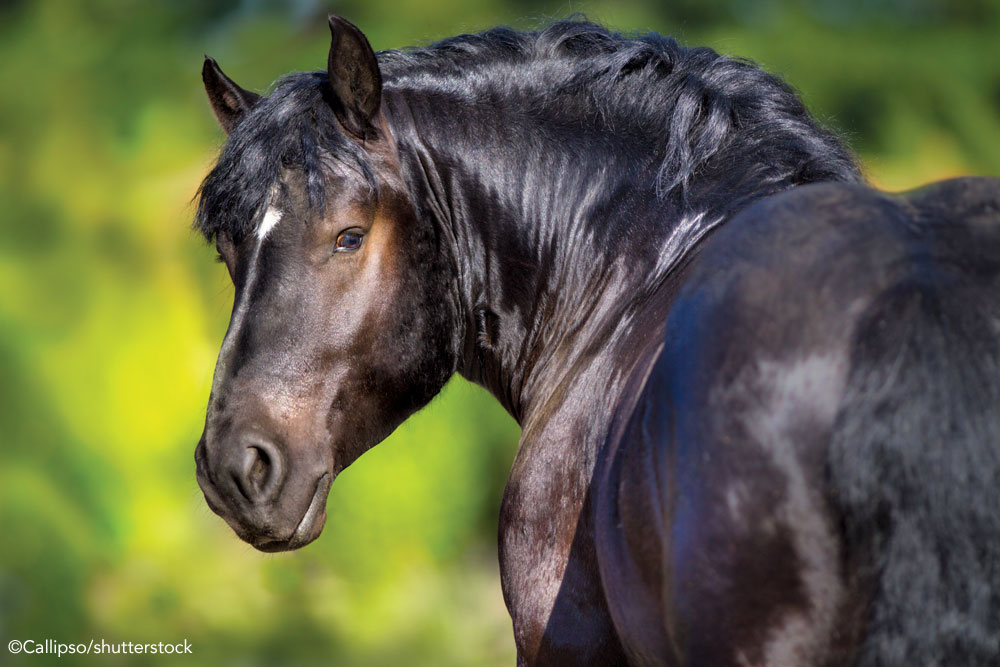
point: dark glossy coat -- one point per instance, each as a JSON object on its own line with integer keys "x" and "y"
{"x": 758, "y": 399}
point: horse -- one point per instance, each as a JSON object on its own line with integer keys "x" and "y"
{"x": 759, "y": 399}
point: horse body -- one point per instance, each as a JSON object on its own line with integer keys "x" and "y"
{"x": 740, "y": 442}
{"x": 618, "y": 240}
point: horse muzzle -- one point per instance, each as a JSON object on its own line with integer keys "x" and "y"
{"x": 269, "y": 503}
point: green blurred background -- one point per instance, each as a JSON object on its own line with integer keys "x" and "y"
{"x": 111, "y": 313}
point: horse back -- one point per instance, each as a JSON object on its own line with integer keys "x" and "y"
{"x": 733, "y": 510}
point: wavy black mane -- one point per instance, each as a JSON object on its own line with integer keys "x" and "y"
{"x": 721, "y": 124}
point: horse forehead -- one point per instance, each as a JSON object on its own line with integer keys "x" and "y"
{"x": 272, "y": 216}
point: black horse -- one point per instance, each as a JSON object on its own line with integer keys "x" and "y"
{"x": 760, "y": 402}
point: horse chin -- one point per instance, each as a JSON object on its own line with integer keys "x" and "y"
{"x": 308, "y": 528}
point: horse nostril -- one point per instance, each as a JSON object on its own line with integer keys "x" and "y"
{"x": 261, "y": 472}
{"x": 257, "y": 475}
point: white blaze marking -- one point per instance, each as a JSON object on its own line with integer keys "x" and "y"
{"x": 272, "y": 217}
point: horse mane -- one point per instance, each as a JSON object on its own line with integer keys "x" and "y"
{"x": 717, "y": 117}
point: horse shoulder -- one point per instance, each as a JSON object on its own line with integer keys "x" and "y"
{"x": 632, "y": 520}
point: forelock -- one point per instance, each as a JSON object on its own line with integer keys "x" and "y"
{"x": 293, "y": 128}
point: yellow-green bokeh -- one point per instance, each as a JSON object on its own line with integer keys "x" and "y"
{"x": 111, "y": 312}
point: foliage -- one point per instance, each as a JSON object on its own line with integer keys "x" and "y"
{"x": 111, "y": 312}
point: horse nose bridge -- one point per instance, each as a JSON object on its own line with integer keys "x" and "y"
{"x": 233, "y": 353}
{"x": 271, "y": 392}
{"x": 262, "y": 363}
{"x": 236, "y": 349}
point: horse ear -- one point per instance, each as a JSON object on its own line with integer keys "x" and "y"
{"x": 354, "y": 77}
{"x": 229, "y": 101}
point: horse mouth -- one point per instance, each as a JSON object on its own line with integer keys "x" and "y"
{"x": 310, "y": 526}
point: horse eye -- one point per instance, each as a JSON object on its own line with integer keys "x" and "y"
{"x": 349, "y": 241}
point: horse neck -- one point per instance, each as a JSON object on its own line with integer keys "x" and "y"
{"x": 556, "y": 236}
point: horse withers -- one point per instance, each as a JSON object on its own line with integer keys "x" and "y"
{"x": 758, "y": 399}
